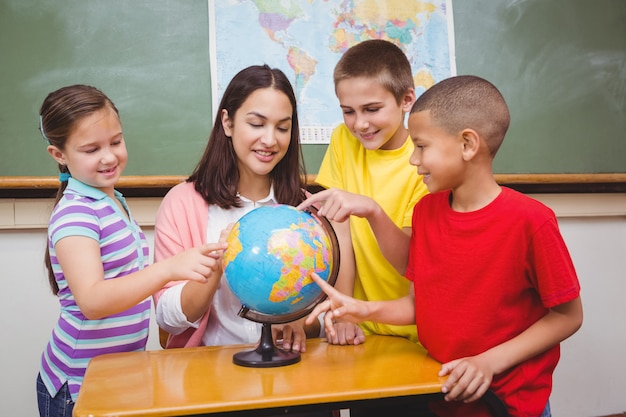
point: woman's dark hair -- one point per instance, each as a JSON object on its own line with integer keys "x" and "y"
{"x": 59, "y": 114}
{"x": 216, "y": 176}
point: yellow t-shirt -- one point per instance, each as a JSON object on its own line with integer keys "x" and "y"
{"x": 387, "y": 177}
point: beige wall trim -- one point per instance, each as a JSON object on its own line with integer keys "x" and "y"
{"x": 34, "y": 213}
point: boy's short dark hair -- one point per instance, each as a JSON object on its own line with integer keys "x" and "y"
{"x": 379, "y": 60}
{"x": 467, "y": 102}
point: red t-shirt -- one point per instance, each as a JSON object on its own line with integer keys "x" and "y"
{"x": 483, "y": 277}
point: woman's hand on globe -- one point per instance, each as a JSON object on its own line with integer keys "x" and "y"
{"x": 225, "y": 232}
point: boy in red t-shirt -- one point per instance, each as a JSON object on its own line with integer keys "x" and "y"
{"x": 495, "y": 290}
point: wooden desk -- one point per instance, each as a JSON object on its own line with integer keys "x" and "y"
{"x": 204, "y": 380}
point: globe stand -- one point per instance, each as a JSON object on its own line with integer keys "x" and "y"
{"x": 266, "y": 355}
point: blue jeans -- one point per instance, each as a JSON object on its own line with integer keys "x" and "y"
{"x": 546, "y": 411}
{"x": 60, "y": 405}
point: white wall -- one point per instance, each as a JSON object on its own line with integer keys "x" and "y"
{"x": 590, "y": 379}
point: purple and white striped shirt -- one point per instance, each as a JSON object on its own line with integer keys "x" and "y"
{"x": 86, "y": 211}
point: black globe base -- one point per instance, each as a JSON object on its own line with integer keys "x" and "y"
{"x": 266, "y": 355}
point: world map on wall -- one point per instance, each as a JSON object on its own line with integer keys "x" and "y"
{"x": 306, "y": 38}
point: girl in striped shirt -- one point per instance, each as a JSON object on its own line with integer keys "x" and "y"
{"x": 97, "y": 257}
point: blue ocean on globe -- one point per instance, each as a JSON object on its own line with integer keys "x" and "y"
{"x": 272, "y": 251}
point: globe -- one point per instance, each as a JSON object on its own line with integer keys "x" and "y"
{"x": 272, "y": 252}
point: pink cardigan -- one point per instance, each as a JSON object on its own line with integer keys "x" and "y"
{"x": 181, "y": 224}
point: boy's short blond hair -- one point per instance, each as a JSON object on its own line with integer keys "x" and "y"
{"x": 379, "y": 60}
{"x": 467, "y": 102}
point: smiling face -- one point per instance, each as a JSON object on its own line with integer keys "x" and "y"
{"x": 372, "y": 113}
{"x": 95, "y": 152}
{"x": 260, "y": 131}
{"x": 438, "y": 155}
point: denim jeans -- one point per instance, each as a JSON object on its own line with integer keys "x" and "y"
{"x": 546, "y": 411}
{"x": 59, "y": 406}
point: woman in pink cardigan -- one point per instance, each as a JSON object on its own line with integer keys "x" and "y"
{"x": 253, "y": 158}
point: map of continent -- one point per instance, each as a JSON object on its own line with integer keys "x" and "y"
{"x": 298, "y": 257}
{"x": 306, "y": 38}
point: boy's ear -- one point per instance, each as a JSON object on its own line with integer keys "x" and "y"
{"x": 408, "y": 100}
{"x": 56, "y": 154}
{"x": 470, "y": 141}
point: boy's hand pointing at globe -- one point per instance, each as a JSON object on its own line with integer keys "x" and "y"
{"x": 338, "y": 306}
{"x": 338, "y": 205}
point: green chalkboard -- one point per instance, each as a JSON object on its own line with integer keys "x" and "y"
{"x": 151, "y": 57}
{"x": 561, "y": 65}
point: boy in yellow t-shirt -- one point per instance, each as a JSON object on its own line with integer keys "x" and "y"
{"x": 368, "y": 159}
